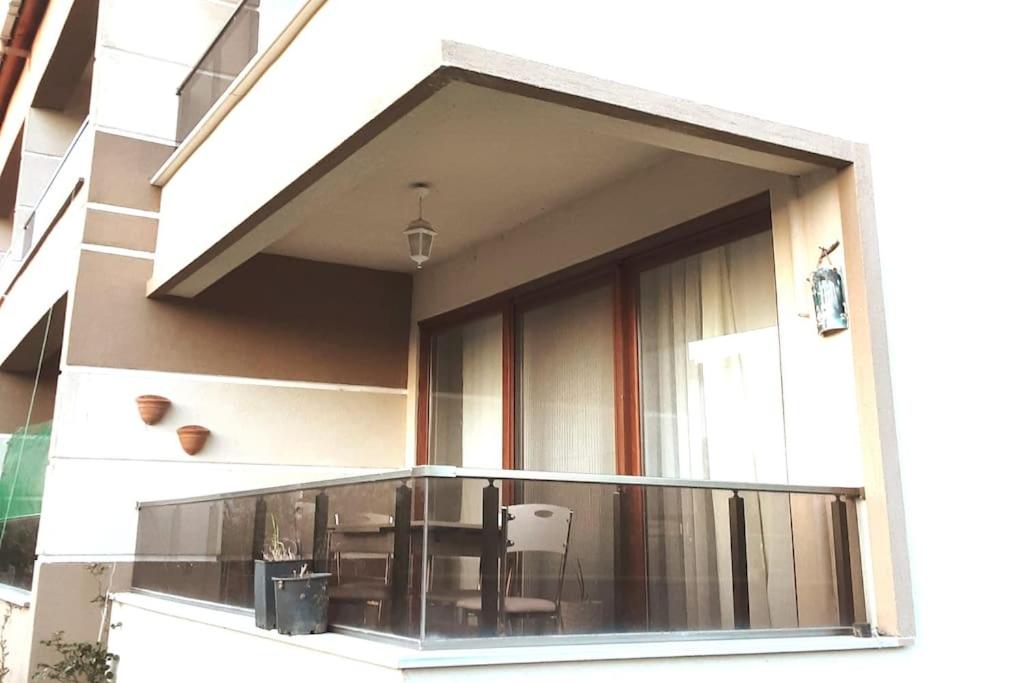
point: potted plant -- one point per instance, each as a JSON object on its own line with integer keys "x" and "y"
{"x": 280, "y": 558}
{"x": 584, "y": 615}
{"x": 301, "y": 602}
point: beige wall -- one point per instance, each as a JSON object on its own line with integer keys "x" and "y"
{"x": 17, "y": 635}
{"x": 252, "y": 422}
{"x": 230, "y": 649}
{"x": 65, "y": 599}
{"x": 121, "y": 167}
{"x": 16, "y": 395}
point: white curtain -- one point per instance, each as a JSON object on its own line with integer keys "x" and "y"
{"x": 466, "y": 419}
{"x": 466, "y": 390}
{"x": 567, "y": 385}
{"x": 712, "y": 409}
{"x": 566, "y": 413}
{"x": 481, "y": 394}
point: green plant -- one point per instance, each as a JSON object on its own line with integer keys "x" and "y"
{"x": 80, "y": 662}
{"x": 97, "y": 570}
{"x": 4, "y": 651}
{"x": 277, "y": 550}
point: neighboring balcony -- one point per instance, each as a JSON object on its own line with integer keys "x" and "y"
{"x": 442, "y": 556}
{"x": 36, "y": 273}
{"x": 249, "y": 29}
{"x": 224, "y": 59}
{"x": 53, "y": 200}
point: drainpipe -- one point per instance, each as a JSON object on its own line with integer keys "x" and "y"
{"x": 16, "y": 37}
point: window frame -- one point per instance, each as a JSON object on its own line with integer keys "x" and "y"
{"x": 622, "y": 268}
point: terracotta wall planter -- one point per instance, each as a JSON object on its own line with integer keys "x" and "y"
{"x": 193, "y": 438}
{"x": 152, "y": 408}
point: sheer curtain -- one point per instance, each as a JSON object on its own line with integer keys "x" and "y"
{"x": 711, "y": 400}
{"x": 465, "y": 410}
{"x": 465, "y": 430}
{"x": 566, "y": 416}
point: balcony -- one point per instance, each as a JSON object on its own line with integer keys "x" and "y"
{"x": 235, "y": 44}
{"x": 441, "y": 556}
{"x": 247, "y": 32}
{"x": 53, "y": 201}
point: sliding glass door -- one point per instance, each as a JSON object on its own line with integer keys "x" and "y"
{"x": 466, "y": 395}
{"x": 710, "y": 379}
{"x": 711, "y": 408}
{"x": 661, "y": 359}
{"x": 565, "y": 367}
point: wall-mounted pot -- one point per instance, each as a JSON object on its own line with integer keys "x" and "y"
{"x": 152, "y": 408}
{"x": 193, "y": 438}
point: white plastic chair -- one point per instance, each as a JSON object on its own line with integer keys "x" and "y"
{"x": 531, "y": 528}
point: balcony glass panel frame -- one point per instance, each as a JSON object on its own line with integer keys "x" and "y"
{"x": 430, "y": 556}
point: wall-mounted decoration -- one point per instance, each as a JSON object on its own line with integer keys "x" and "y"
{"x": 193, "y": 438}
{"x": 152, "y": 408}
{"x": 827, "y": 291}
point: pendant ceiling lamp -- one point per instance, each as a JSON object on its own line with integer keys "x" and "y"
{"x": 420, "y": 232}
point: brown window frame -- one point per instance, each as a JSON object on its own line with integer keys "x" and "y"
{"x": 622, "y": 267}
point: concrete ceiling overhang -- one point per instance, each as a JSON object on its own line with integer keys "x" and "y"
{"x": 503, "y": 139}
{"x": 493, "y": 160}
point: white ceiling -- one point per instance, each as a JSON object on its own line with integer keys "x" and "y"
{"x": 495, "y": 161}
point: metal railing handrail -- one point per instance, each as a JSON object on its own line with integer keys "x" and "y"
{"x": 450, "y": 472}
{"x": 213, "y": 44}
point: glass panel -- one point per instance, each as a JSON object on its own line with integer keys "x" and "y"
{"x": 409, "y": 557}
{"x": 205, "y": 550}
{"x": 466, "y": 388}
{"x": 454, "y": 517}
{"x": 814, "y": 558}
{"x": 655, "y": 559}
{"x": 362, "y": 547}
{"x": 566, "y": 411}
{"x": 24, "y": 459}
{"x": 709, "y": 361}
{"x": 230, "y": 52}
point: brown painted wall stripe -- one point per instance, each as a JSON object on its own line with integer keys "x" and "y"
{"x": 119, "y": 230}
{"x": 274, "y": 317}
{"x": 16, "y": 395}
{"x": 121, "y": 169}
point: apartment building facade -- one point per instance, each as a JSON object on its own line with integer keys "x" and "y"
{"x": 407, "y": 285}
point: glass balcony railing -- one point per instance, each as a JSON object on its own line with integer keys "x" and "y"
{"x": 235, "y": 45}
{"x": 438, "y": 555}
{"x": 67, "y": 179}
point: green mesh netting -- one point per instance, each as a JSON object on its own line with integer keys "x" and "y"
{"x": 21, "y": 482}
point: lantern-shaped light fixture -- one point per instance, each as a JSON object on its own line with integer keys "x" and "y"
{"x": 420, "y": 232}
{"x": 827, "y": 292}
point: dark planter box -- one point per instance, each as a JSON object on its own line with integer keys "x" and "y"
{"x": 264, "y": 574}
{"x": 301, "y": 604}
